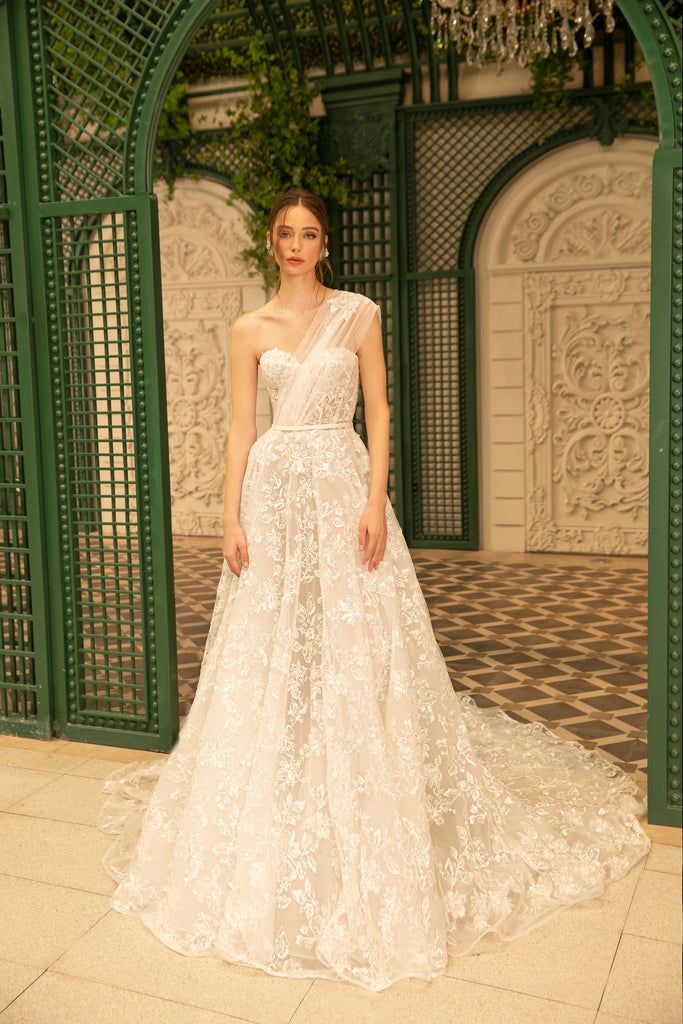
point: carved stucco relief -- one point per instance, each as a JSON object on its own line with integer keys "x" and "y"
{"x": 562, "y": 264}
{"x": 559, "y": 224}
{"x": 203, "y": 280}
{"x": 587, "y": 385}
{"x": 586, "y": 359}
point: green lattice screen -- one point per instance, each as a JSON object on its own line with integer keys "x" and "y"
{"x": 18, "y": 691}
{"x": 100, "y": 378}
{"x": 207, "y": 153}
{"x": 452, "y": 172}
{"x": 109, "y": 457}
{"x": 95, "y": 64}
{"x": 24, "y": 696}
{"x": 437, "y": 403}
{"x": 102, "y": 395}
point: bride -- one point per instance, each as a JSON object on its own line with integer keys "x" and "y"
{"x": 332, "y": 808}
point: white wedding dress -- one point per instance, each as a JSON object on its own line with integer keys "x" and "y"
{"x": 332, "y": 808}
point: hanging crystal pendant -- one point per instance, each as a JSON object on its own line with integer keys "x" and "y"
{"x": 515, "y": 29}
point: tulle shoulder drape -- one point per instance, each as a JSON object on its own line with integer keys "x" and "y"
{"x": 340, "y": 325}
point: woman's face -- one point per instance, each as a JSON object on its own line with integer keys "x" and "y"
{"x": 297, "y": 240}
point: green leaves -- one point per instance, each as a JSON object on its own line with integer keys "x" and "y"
{"x": 174, "y": 122}
{"x": 273, "y": 139}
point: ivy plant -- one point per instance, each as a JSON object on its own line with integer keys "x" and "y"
{"x": 274, "y": 143}
{"x": 550, "y": 78}
{"x": 647, "y": 114}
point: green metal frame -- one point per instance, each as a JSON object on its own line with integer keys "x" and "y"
{"x": 85, "y": 151}
{"x": 25, "y": 684}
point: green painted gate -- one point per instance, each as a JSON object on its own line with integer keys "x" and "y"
{"x": 87, "y": 587}
{"x": 25, "y": 691}
{"x": 90, "y": 352}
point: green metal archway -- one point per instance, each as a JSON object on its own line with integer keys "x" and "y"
{"x": 88, "y": 613}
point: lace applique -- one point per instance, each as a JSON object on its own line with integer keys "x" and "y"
{"x": 332, "y": 808}
{"x": 339, "y": 375}
{"x": 346, "y": 303}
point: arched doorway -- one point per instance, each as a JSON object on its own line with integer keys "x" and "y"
{"x": 563, "y": 300}
{"x": 205, "y": 288}
{"x": 86, "y": 153}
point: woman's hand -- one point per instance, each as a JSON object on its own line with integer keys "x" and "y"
{"x": 234, "y": 543}
{"x": 373, "y": 530}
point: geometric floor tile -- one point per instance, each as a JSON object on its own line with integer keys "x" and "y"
{"x": 556, "y": 639}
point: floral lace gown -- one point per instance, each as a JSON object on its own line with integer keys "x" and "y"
{"x": 332, "y": 808}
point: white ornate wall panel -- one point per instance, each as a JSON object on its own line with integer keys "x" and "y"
{"x": 205, "y": 288}
{"x": 563, "y": 353}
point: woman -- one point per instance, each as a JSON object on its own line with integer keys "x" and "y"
{"x": 332, "y": 808}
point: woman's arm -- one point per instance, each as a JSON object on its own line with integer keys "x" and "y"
{"x": 373, "y": 373}
{"x": 241, "y": 436}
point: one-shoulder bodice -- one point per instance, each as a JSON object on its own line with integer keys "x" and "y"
{"x": 336, "y": 384}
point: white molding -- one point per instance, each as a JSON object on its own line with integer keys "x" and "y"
{"x": 205, "y": 288}
{"x": 580, "y": 217}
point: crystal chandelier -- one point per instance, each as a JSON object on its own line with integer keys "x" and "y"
{"x": 509, "y": 29}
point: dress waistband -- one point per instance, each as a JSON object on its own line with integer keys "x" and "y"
{"x": 312, "y": 426}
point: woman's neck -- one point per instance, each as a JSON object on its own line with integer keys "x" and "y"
{"x": 300, "y": 296}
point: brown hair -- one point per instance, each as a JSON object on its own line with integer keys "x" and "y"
{"x": 312, "y": 202}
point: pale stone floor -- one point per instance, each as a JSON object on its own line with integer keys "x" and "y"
{"x": 65, "y": 956}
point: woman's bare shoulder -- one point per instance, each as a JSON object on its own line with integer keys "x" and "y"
{"x": 248, "y": 325}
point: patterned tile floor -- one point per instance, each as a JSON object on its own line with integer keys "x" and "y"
{"x": 556, "y": 638}
{"x": 560, "y": 639}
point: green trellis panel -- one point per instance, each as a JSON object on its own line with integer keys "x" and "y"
{"x": 104, "y": 288}
{"x": 25, "y": 707}
{"x": 93, "y": 245}
{"x": 84, "y": 94}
